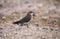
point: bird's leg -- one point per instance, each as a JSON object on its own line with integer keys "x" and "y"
{"x": 21, "y": 24}
{"x": 26, "y": 25}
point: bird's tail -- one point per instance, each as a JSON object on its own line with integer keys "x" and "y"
{"x": 15, "y": 23}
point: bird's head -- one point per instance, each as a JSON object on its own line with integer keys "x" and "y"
{"x": 32, "y": 13}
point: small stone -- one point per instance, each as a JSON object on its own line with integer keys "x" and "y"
{"x": 41, "y": 5}
{"x": 1, "y": 5}
{"x": 3, "y": 17}
{"x": 37, "y": 24}
{"x": 12, "y": 37}
{"x": 51, "y": 29}
{"x": 1, "y": 32}
{"x": 44, "y": 28}
{"x": 1, "y": 28}
{"x": 43, "y": 38}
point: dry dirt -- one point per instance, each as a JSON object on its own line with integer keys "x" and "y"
{"x": 45, "y": 24}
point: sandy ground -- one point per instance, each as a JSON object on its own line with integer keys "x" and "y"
{"x": 45, "y": 24}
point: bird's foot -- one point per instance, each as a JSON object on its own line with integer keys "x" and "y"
{"x": 26, "y": 25}
{"x": 21, "y": 24}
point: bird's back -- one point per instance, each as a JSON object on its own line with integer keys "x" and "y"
{"x": 23, "y": 20}
{"x": 26, "y": 18}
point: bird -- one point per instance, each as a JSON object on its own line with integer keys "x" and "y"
{"x": 26, "y": 19}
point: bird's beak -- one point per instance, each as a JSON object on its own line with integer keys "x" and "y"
{"x": 33, "y": 14}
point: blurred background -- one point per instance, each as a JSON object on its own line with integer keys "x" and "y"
{"x": 45, "y": 24}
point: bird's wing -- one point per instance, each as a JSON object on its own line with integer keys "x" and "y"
{"x": 26, "y": 18}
